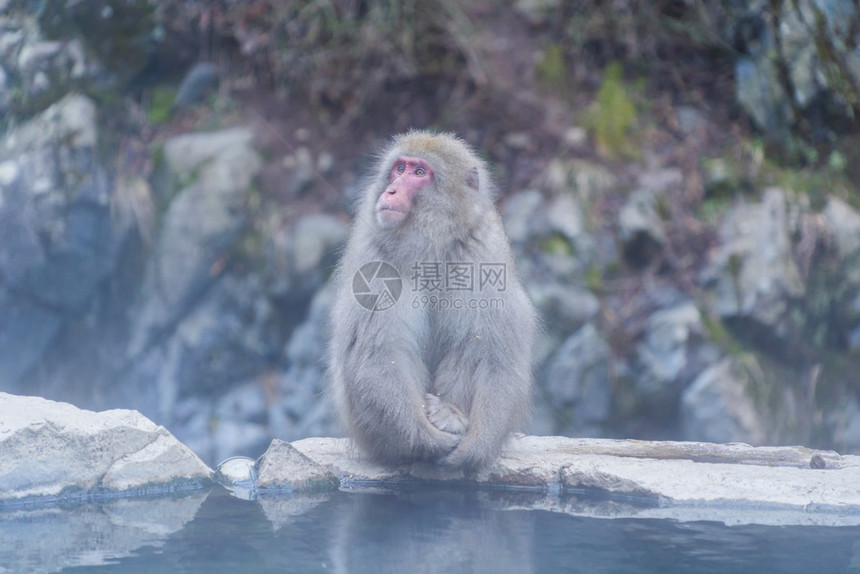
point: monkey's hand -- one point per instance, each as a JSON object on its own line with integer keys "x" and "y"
{"x": 445, "y": 416}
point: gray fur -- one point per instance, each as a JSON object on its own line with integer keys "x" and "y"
{"x": 476, "y": 364}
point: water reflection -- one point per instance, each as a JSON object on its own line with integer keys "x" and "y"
{"x": 431, "y": 531}
{"x": 46, "y": 539}
{"x": 419, "y": 530}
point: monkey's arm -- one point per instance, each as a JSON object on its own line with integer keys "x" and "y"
{"x": 380, "y": 383}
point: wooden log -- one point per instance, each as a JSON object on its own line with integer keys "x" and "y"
{"x": 730, "y": 453}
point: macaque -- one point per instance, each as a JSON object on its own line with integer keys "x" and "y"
{"x": 432, "y": 332}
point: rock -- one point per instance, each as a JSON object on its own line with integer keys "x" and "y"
{"x": 687, "y": 481}
{"x": 812, "y": 21}
{"x": 218, "y": 342}
{"x": 760, "y": 93}
{"x": 553, "y": 250}
{"x": 12, "y": 36}
{"x": 122, "y": 34}
{"x": 70, "y": 123}
{"x": 213, "y": 172}
{"x": 33, "y": 56}
{"x": 564, "y": 216}
{"x": 640, "y": 225}
{"x": 48, "y": 68}
{"x": 668, "y": 332}
{"x": 306, "y": 345}
{"x": 718, "y": 407}
{"x": 217, "y": 389}
{"x": 26, "y": 331}
{"x": 42, "y": 66}
{"x": 753, "y": 274}
{"x": 214, "y": 371}
{"x": 529, "y": 217}
{"x": 801, "y": 58}
{"x": 55, "y": 450}
{"x": 304, "y": 406}
{"x": 315, "y": 239}
{"x": 550, "y": 237}
{"x": 58, "y": 242}
{"x": 844, "y": 222}
{"x": 672, "y": 352}
{"x": 283, "y": 467}
{"x": 564, "y": 308}
{"x": 577, "y": 381}
{"x": 519, "y": 210}
{"x": 640, "y": 228}
{"x": 200, "y": 81}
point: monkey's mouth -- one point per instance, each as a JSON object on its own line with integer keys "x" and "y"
{"x": 389, "y": 216}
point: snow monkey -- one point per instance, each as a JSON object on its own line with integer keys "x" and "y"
{"x": 432, "y": 332}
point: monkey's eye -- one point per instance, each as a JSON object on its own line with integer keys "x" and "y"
{"x": 401, "y": 168}
{"x": 420, "y": 172}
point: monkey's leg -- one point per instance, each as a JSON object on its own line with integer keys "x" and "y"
{"x": 388, "y": 418}
{"x": 445, "y": 416}
{"x": 501, "y": 402}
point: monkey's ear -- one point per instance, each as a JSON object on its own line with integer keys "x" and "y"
{"x": 472, "y": 179}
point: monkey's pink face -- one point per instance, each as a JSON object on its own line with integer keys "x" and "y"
{"x": 408, "y": 175}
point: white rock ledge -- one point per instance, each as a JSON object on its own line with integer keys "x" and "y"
{"x": 681, "y": 480}
{"x": 56, "y": 451}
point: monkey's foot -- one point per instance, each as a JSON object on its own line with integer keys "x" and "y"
{"x": 465, "y": 457}
{"x": 445, "y": 416}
